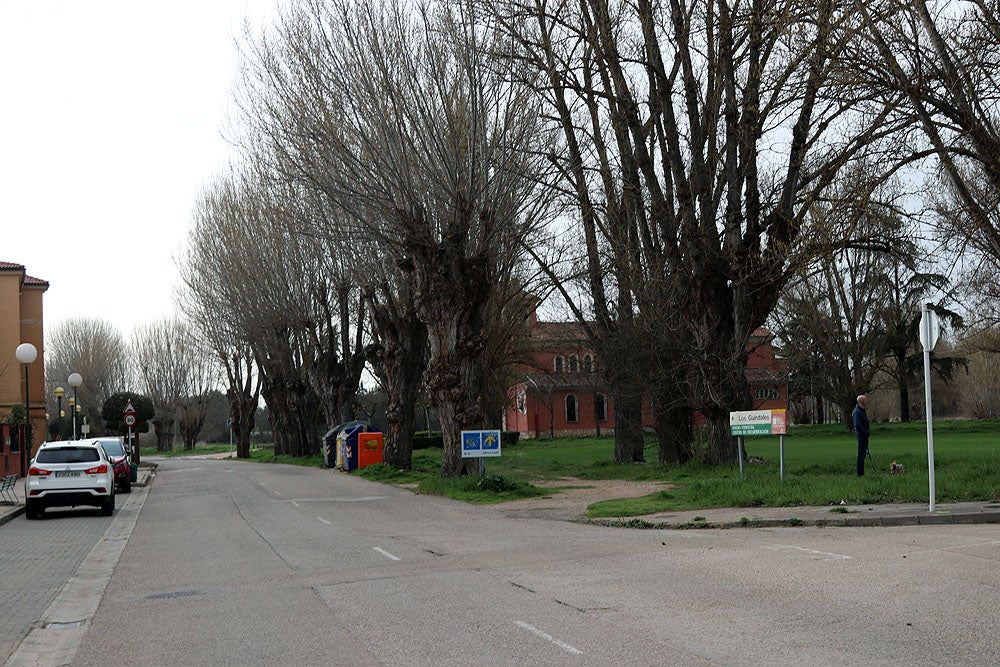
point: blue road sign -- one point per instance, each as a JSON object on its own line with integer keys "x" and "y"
{"x": 477, "y": 444}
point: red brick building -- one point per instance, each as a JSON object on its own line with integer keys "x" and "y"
{"x": 561, "y": 392}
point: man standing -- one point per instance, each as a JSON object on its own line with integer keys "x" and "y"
{"x": 861, "y": 431}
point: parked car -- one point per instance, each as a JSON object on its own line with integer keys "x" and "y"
{"x": 69, "y": 474}
{"x": 121, "y": 461}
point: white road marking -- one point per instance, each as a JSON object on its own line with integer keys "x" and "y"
{"x": 296, "y": 504}
{"x": 549, "y": 638}
{"x": 824, "y": 555}
{"x": 324, "y": 521}
{"x": 387, "y": 554}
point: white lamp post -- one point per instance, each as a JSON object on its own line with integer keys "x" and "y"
{"x": 75, "y": 380}
{"x": 26, "y": 354}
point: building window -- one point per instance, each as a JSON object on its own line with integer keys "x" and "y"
{"x": 559, "y": 364}
{"x": 601, "y": 407}
{"x": 766, "y": 393}
{"x": 572, "y": 411}
{"x": 574, "y": 364}
{"x": 588, "y": 363}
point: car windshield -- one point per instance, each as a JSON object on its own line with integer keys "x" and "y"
{"x": 113, "y": 448}
{"x": 67, "y": 455}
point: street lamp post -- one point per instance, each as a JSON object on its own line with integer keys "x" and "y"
{"x": 26, "y": 354}
{"x": 59, "y": 393}
{"x": 75, "y": 380}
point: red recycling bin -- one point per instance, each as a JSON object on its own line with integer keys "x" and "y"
{"x": 369, "y": 449}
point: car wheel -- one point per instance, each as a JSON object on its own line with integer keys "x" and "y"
{"x": 108, "y": 507}
{"x": 33, "y": 511}
{"x": 127, "y": 487}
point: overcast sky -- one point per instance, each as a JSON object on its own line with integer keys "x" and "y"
{"x": 111, "y": 120}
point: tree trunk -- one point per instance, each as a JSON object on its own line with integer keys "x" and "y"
{"x": 398, "y": 360}
{"x": 164, "y": 427}
{"x": 454, "y": 369}
{"x": 673, "y": 432}
{"x": 401, "y": 375}
{"x": 242, "y": 410}
{"x": 629, "y": 441}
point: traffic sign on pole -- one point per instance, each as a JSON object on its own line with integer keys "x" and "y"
{"x": 129, "y": 408}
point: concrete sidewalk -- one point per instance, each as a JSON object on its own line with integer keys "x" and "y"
{"x": 7, "y": 512}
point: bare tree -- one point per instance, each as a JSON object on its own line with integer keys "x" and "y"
{"x": 397, "y": 115}
{"x": 158, "y": 351}
{"x": 95, "y": 349}
{"x": 201, "y": 378}
{"x": 943, "y": 57}
{"x": 698, "y": 136}
{"x": 213, "y": 305}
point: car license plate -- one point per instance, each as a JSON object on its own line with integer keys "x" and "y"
{"x": 67, "y": 473}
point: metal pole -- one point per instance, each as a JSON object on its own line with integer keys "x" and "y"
{"x": 74, "y": 412}
{"x": 739, "y": 453}
{"x": 927, "y": 401}
{"x": 27, "y": 410}
{"x": 781, "y": 456}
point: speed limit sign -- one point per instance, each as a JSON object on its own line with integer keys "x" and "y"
{"x": 130, "y": 420}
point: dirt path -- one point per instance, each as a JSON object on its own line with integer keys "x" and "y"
{"x": 571, "y": 502}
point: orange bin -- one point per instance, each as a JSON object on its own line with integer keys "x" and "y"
{"x": 369, "y": 449}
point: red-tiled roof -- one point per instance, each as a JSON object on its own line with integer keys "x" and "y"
{"x": 31, "y": 280}
{"x": 560, "y": 331}
{"x": 28, "y": 280}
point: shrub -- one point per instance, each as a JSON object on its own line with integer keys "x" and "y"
{"x": 428, "y": 440}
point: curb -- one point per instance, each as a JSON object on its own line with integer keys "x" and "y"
{"x": 793, "y": 522}
{"x": 146, "y": 473}
{"x": 16, "y": 511}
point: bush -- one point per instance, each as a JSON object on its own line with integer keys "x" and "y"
{"x": 428, "y": 440}
{"x": 509, "y": 438}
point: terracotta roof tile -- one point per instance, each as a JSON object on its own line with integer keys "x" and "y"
{"x": 31, "y": 280}
{"x": 11, "y": 266}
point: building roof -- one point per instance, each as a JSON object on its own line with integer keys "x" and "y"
{"x": 25, "y": 278}
{"x": 37, "y": 282}
{"x": 559, "y": 331}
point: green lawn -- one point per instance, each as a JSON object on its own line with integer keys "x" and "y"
{"x": 819, "y": 470}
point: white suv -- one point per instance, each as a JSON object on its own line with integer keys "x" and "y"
{"x": 67, "y": 474}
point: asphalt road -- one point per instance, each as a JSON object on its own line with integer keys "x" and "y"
{"x": 236, "y": 564}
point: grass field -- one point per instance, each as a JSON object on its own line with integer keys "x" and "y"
{"x": 819, "y": 470}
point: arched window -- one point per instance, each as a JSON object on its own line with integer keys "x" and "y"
{"x": 574, "y": 364}
{"x": 572, "y": 411}
{"x": 559, "y": 364}
{"x": 601, "y": 407}
{"x": 588, "y": 363}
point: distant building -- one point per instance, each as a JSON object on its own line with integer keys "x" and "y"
{"x": 20, "y": 322}
{"x": 561, "y": 392}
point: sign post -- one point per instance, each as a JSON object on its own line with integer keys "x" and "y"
{"x": 759, "y": 422}
{"x": 480, "y": 445}
{"x": 928, "y": 339}
{"x": 129, "y": 418}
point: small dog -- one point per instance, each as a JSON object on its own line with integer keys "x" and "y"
{"x": 895, "y": 468}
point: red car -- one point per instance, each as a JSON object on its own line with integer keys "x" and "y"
{"x": 120, "y": 461}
